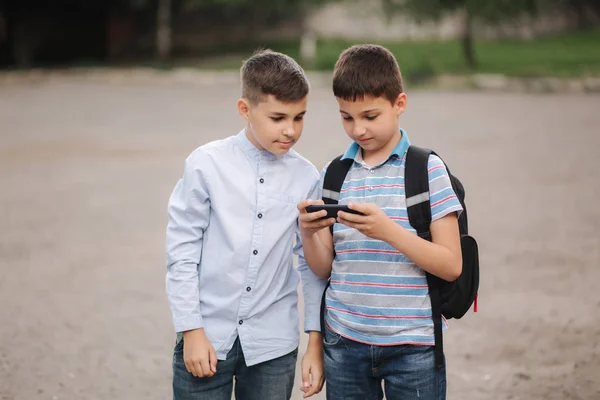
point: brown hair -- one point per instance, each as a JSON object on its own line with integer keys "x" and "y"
{"x": 367, "y": 70}
{"x": 268, "y": 72}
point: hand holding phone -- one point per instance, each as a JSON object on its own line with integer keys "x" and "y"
{"x": 311, "y": 223}
{"x": 331, "y": 209}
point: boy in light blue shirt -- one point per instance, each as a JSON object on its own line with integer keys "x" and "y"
{"x": 231, "y": 237}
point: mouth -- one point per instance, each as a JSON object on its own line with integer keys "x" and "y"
{"x": 285, "y": 144}
{"x": 364, "y": 140}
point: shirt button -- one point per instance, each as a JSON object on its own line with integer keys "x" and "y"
{"x": 370, "y": 188}
{"x": 241, "y": 322}
{"x": 372, "y": 171}
{"x": 259, "y": 215}
{"x": 255, "y": 252}
{"x": 262, "y": 180}
{"x": 248, "y": 289}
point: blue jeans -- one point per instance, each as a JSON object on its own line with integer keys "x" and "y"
{"x": 355, "y": 371}
{"x": 270, "y": 380}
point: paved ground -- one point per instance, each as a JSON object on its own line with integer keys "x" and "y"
{"x": 86, "y": 167}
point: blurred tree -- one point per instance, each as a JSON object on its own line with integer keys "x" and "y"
{"x": 271, "y": 10}
{"x": 257, "y": 11}
{"x": 163, "y": 29}
{"x": 486, "y": 10}
{"x": 587, "y": 12}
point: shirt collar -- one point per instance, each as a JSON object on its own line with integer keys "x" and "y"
{"x": 250, "y": 149}
{"x": 400, "y": 150}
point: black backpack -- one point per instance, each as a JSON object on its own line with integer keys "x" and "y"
{"x": 450, "y": 299}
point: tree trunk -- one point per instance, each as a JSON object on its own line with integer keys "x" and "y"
{"x": 580, "y": 8}
{"x": 163, "y": 30}
{"x": 467, "y": 40}
{"x": 308, "y": 40}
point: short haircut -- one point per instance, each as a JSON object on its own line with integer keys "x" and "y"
{"x": 367, "y": 70}
{"x": 268, "y": 72}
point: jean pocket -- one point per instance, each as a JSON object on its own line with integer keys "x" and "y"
{"x": 331, "y": 338}
{"x": 179, "y": 343}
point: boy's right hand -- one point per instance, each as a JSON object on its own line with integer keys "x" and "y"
{"x": 198, "y": 354}
{"x": 311, "y": 223}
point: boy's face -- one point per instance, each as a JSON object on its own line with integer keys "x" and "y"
{"x": 273, "y": 125}
{"x": 372, "y": 122}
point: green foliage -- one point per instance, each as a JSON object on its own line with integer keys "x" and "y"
{"x": 489, "y": 10}
{"x": 486, "y": 10}
{"x": 285, "y": 7}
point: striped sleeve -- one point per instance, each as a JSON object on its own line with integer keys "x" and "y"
{"x": 441, "y": 195}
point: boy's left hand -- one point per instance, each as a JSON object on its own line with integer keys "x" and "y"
{"x": 374, "y": 223}
{"x": 312, "y": 369}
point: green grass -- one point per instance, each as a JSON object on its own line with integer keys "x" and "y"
{"x": 417, "y": 59}
{"x": 567, "y": 55}
{"x": 570, "y": 55}
{"x": 231, "y": 56}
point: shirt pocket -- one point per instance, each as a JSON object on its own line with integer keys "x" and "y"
{"x": 282, "y": 197}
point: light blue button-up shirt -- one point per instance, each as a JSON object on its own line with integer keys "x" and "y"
{"x": 231, "y": 236}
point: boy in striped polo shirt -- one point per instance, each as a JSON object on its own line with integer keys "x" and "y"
{"x": 379, "y": 325}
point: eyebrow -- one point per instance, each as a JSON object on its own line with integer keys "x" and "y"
{"x": 280, "y": 114}
{"x": 363, "y": 112}
{"x": 369, "y": 111}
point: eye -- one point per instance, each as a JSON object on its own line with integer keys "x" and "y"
{"x": 347, "y": 118}
{"x": 371, "y": 117}
{"x": 276, "y": 119}
{"x": 299, "y": 118}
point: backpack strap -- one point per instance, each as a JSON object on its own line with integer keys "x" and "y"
{"x": 332, "y": 185}
{"x": 416, "y": 184}
{"x": 334, "y": 179}
{"x": 418, "y": 207}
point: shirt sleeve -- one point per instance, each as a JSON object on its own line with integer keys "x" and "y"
{"x": 188, "y": 212}
{"x": 442, "y": 198}
{"x": 312, "y": 285}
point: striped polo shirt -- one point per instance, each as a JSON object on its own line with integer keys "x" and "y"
{"x": 377, "y": 295}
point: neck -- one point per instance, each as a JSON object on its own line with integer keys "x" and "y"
{"x": 251, "y": 138}
{"x": 375, "y": 157}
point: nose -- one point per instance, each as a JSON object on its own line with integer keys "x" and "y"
{"x": 289, "y": 132}
{"x": 359, "y": 130}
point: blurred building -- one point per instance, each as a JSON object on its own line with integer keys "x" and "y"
{"x": 41, "y": 32}
{"x": 366, "y": 19}
{"x": 36, "y": 32}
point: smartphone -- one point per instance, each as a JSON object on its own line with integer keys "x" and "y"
{"x": 332, "y": 209}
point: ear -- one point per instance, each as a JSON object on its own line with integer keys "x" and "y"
{"x": 243, "y": 105}
{"x": 400, "y": 103}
